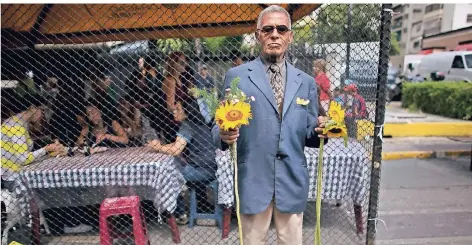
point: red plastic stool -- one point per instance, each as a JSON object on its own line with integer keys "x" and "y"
{"x": 119, "y": 206}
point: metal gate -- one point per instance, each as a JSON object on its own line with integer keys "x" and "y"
{"x": 103, "y": 138}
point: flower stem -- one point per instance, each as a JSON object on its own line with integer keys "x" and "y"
{"x": 318, "y": 194}
{"x": 234, "y": 158}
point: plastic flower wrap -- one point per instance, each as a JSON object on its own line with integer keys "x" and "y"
{"x": 334, "y": 128}
{"x": 232, "y": 113}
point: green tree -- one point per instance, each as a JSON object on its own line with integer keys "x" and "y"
{"x": 222, "y": 45}
{"x": 394, "y": 46}
{"x": 332, "y": 23}
{"x": 303, "y": 30}
{"x": 169, "y": 45}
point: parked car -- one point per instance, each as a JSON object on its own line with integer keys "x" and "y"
{"x": 455, "y": 65}
{"x": 394, "y": 84}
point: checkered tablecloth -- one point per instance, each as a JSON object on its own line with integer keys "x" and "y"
{"x": 345, "y": 173}
{"x": 134, "y": 167}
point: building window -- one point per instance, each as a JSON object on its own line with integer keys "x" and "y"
{"x": 397, "y": 23}
{"x": 433, "y": 7}
{"x": 469, "y": 18}
{"x": 432, "y": 27}
{"x": 405, "y": 30}
{"x": 416, "y": 44}
{"x": 417, "y": 11}
{"x": 399, "y": 36}
{"x": 417, "y": 26}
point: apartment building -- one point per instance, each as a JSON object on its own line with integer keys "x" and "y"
{"x": 413, "y": 21}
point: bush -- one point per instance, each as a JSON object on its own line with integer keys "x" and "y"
{"x": 449, "y": 99}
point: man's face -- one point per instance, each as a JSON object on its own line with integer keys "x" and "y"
{"x": 274, "y": 43}
{"x": 203, "y": 72}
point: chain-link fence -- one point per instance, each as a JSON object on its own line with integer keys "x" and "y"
{"x": 103, "y": 138}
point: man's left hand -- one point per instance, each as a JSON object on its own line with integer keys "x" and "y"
{"x": 319, "y": 128}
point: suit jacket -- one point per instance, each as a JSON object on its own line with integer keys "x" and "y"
{"x": 271, "y": 159}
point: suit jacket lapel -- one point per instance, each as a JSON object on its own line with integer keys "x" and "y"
{"x": 258, "y": 76}
{"x": 291, "y": 87}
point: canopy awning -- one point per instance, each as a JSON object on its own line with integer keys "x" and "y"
{"x": 426, "y": 51}
{"x": 90, "y": 23}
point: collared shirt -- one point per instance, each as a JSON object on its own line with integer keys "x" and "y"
{"x": 283, "y": 69}
{"x": 16, "y": 147}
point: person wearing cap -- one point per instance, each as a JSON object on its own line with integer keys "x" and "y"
{"x": 205, "y": 80}
{"x": 355, "y": 108}
{"x": 16, "y": 143}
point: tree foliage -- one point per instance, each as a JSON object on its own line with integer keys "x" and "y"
{"x": 169, "y": 45}
{"x": 221, "y": 45}
{"x": 332, "y": 23}
{"x": 394, "y": 46}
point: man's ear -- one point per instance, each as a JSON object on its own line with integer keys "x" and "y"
{"x": 290, "y": 37}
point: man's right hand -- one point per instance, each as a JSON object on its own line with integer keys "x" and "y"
{"x": 229, "y": 137}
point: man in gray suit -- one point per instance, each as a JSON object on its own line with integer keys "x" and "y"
{"x": 273, "y": 174}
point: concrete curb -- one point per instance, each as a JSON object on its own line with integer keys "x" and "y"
{"x": 423, "y": 154}
{"x": 442, "y": 129}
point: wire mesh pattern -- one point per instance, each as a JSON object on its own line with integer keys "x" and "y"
{"x": 103, "y": 139}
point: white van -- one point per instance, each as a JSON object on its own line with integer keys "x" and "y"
{"x": 456, "y": 65}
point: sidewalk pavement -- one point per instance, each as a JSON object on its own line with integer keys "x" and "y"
{"x": 425, "y": 147}
{"x": 400, "y": 122}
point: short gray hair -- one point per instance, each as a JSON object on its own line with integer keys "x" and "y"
{"x": 274, "y": 9}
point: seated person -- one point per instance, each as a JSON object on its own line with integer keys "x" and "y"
{"x": 16, "y": 144}
{"x": 100, "y": 131}
{"x": 130, "y": 118}
{"x": 193, "y": 136}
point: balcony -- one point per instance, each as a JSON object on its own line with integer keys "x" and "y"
{"x": 431, "y": 31}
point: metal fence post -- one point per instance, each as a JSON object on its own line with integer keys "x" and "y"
{"x": 379, "y": 121}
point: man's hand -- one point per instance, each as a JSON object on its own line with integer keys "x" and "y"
{"x": 319, "y": 128}
{"x": 101, "y": 137}
{"x": 229, "y": 137}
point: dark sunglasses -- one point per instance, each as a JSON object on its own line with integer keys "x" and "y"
{"x": 282, "y": 29}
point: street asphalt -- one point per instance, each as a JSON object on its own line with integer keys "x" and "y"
{"x": 427, "y": 201}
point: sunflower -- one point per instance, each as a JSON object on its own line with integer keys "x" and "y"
{"x": 233, "y": 115}
{"x": 335, "y": 127}
{"x": 335, "y": 112}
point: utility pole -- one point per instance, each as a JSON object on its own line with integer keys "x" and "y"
{"x": 348, "y": 41}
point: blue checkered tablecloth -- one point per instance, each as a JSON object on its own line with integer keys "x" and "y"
{"x": 126, "y": 167}
{"x": 346, "y": 173}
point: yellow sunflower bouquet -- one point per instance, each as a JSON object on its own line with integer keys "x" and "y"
{"x": 334, "y": 128}
{"x": 232, "y": 113}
